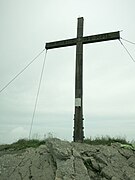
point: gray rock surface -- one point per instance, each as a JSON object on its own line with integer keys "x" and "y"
{"x": 61, "y": 160}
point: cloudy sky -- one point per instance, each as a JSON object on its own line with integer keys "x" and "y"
{"x": 109, "y": 72}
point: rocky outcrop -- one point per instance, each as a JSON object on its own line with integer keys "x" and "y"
{"x": 61, "y": 160}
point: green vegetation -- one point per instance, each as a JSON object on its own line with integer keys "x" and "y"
{"x": 22, "y": 144}
{"x": 106, "y": 140}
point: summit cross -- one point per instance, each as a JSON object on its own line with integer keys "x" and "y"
{"x": 78, "y": 133}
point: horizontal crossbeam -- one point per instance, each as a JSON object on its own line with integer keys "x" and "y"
{"x": 84, "y": 40}
{"x": 62, "y": 43}
{"x": 101, "y": 37}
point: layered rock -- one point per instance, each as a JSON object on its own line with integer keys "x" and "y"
{"x": 61, "y": 160}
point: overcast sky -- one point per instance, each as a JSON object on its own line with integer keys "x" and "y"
{"x": 109, "y": 73}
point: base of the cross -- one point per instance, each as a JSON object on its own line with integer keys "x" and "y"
{"x": 78, "y": 134}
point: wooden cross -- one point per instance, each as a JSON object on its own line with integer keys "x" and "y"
{"x": 78, "y": 134}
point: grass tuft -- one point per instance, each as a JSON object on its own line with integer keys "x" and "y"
{"x": 23, "y": 144}
{"x": 105, "y": 140}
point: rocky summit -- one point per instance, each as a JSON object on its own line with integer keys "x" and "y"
{"x": 62, "y": 160}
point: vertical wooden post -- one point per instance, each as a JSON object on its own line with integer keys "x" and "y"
{"x": 78, "y": 116}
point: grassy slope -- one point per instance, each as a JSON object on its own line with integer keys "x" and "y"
{"x": 106, "y": 140}
{"x": 25, "y": 143}
{"x": 22, "y": 144}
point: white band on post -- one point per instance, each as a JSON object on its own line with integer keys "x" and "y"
{"x": 78, "y": 102}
